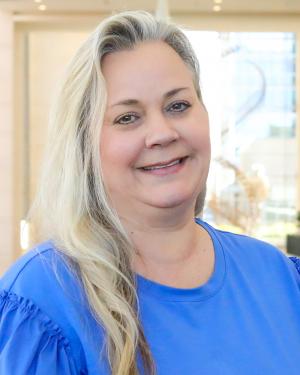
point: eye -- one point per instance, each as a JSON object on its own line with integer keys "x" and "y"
{"x": 128, "y": 118}
{"x": 178, "y": 106}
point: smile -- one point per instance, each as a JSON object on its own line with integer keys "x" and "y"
{"x": 164, "y": 165}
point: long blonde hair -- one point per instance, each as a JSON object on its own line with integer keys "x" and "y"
{"x": 71, "y": 205}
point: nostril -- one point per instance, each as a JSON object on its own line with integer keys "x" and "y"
{"x": 161, "y": 137}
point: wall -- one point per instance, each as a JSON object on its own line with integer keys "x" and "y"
{"x": 7, "y": 229}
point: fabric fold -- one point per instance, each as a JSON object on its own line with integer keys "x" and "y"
{"x": 47, "y": 350}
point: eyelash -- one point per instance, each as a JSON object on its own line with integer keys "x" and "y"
{"x": 118, "y": 120}
{"x": 187, "y": 105}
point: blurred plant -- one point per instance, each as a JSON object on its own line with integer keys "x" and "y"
{"x": 250, "y": 190}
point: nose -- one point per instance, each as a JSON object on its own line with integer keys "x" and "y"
{"x": 160, "y": 131}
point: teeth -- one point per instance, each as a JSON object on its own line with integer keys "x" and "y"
{"x": 162, "y": 166}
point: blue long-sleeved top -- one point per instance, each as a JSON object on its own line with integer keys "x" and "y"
{"x": 244, "y": 320}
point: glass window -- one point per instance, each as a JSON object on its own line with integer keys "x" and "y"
{"x": 248, "y": 85}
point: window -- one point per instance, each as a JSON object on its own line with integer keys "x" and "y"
{"x": 248, "y": 85}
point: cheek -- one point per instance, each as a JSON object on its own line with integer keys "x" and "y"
{"x": 200, "y": 138}
{"x": 117, "y": 150}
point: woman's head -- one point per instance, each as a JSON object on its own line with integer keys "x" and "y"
{"x": 122, "y": 37}
{"x": 77, "y": 118}
{"x": 122, "y": 32}
{"x": 154, "y": 146}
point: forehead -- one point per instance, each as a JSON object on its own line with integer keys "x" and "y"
{"x": 147, "y": 67}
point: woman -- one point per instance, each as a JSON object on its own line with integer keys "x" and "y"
{"x": 130, "y": 282}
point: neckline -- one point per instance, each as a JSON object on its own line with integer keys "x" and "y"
{"x": 150, "y": 288}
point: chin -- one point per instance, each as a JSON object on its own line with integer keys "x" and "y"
{"x": 173, "y": 201}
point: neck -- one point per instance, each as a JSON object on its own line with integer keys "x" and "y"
{"x": 170, "y": 249}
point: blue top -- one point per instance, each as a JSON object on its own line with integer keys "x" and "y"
{"x": 244, "y": 320}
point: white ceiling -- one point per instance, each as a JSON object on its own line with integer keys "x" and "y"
{"x": 175, "y": 6}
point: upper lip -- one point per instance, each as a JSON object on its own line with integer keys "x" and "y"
{"x": 157, "y": 164}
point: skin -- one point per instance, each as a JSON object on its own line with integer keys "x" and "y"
{"x": 153, "y": 117}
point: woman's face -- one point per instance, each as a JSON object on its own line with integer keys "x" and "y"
{"x": 155, "y": 147}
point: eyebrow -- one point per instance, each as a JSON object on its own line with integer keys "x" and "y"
{"x": 167, "y": 95}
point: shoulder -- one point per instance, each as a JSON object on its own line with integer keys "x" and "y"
{"x": 37, "y": 259}
{"x": 39, "y": 300}
{"x": 239, "y": 242}
{"x": 251, "y": 253}
{"x": 48, "y": 278}
{"x": 42, "y": 271}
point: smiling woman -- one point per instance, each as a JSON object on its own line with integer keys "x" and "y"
{"x": 128, "y": 281}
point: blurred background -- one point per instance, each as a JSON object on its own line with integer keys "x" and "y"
{"x": 249, "y": 58}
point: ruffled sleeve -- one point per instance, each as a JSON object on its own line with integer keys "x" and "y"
{"x": 30, "y": 342}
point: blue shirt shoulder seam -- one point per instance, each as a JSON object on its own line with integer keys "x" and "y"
{"x": 38, "y": 252}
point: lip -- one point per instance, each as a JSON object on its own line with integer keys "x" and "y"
{"x": 161, "y": 163}
{"x": 165, "y": 171}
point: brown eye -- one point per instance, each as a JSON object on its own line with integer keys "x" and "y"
{"x": 128, "y": 118}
